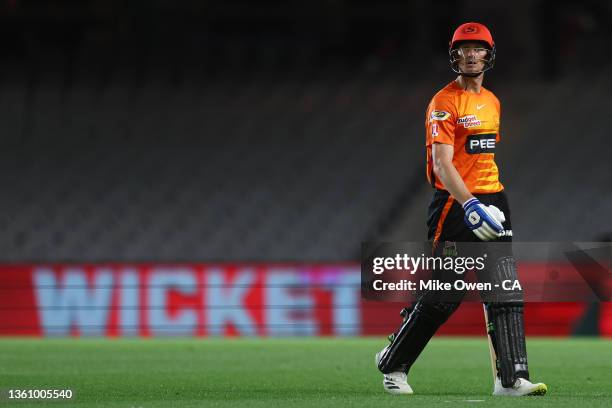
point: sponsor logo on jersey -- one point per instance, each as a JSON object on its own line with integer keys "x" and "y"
{"x": 484, "y": 143}
{"x": 468, "y": 121}
{"x": 439, "y": 115}
{"x": 434, "y": 130}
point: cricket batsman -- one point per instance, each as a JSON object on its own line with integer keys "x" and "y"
{"x": 468, "y": 205}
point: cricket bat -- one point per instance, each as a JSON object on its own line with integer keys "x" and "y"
{"x": 491, "y": 348}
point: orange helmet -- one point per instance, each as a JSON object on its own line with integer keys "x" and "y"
{"x": 471, "y": 32}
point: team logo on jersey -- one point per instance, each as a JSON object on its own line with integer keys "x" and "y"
{"x": 469, "y": 121}
{"x": 439, "y": 115}
{"x": 484, "y": 143}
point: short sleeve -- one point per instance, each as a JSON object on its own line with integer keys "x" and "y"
{"x": 440, "y": 121}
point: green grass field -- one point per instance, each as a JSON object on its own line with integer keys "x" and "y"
{"x": 291, "y": 373}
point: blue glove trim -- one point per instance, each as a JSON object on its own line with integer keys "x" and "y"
{"x": 470, "y": 203}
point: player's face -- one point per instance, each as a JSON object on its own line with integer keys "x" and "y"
{"x": 472, "y": 57}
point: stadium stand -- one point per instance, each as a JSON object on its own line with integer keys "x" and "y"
{"x": 141, "y": 159}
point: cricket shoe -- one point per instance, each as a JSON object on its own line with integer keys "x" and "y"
{"x": 395, "y": 382}
{"x": 520, "y": 388}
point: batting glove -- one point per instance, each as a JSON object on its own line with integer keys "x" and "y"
{"x": 484, "y": 220}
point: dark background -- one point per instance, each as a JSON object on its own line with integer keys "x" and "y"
{"x": 281, "y": 130}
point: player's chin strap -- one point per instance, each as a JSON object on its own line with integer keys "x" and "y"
{"x": 472, "y": 74}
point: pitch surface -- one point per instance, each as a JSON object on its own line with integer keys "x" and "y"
{"x": 291, "y": 372}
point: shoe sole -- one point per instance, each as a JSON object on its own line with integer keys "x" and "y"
{"x": 538, "y": 392}
{"x": 394, "y": 392}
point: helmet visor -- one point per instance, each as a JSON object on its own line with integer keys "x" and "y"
{"x": 475, "y": 59}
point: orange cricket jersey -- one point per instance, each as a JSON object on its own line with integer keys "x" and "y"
{"x": 469, "y": 122}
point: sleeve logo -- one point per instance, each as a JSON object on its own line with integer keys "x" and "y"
{"x": 439, "y": 115}
{"x": 434, "y": 130}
